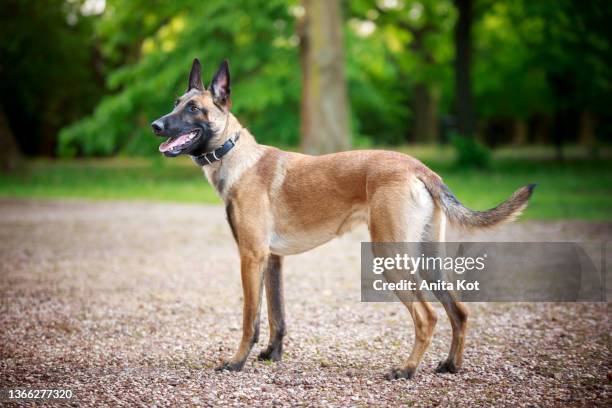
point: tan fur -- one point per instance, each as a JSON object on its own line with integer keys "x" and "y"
{"x": 281, "y": 203}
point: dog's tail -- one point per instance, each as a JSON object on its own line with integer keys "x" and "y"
{"x": 461, "y": 216}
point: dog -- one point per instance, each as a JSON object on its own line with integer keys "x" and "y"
{"x": 282, "y": 203}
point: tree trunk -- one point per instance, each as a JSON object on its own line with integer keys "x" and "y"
{"x": 425, "y": 114}
{"x": 562, "y": 130}
{"x": 324, "y": 110}
{"x": 464, "y": 101}
{"x": 586, "y": 136}
{"x": 10, "y": 156}
{"x": 541, "y": 129}
{"x": 519, "y": 132}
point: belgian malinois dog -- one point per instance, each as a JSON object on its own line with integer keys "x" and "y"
{"x": 281, "y": 203}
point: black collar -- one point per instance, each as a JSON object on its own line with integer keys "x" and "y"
{"x": 217, "y": 154}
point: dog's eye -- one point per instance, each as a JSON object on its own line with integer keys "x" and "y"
{"x": 194, "y": 108}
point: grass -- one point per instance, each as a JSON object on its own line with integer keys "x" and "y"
{"x": 577, "y": 188}
{"x": 175, "y": 180}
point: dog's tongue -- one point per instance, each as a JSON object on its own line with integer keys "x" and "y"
{"x": 173, "y": 142}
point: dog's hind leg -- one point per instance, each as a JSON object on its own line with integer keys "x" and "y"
{"x": 457, "y": 312}
{"x": 273, "y": 280}
{"x": 400, "y": 214}
{"x": 424, "y": 319}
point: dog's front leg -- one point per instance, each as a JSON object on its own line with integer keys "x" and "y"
{"x": 252, "y": 264}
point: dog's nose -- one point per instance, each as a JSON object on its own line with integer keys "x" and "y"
{"x": 158, "y": 126}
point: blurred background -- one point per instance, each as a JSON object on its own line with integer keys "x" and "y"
{"x": 491, "y": 94}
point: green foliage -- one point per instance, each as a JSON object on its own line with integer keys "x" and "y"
{"x": 257, "y": 38}
{"x": 543, "y": 56}
{"x": 47, "y": 69}
{"x": 507, "y": 82}
{"x": 415, "y": 47}
{"x": 470, "y": 152}
{"x": 530, "y": 58}
{"x": 575, "y": 48}
{"x": 379, "y": 113}
{"x": 125, "y": 24}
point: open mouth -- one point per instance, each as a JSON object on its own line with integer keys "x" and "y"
{"x": 178, "y": 143}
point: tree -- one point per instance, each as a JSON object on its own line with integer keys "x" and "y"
{"x": 255, "y": 36}
{"x": 576, "y": 51}
{"x": 464, "y": 101}
{"x": 145, "y": 69}
{"x": 10, "y": 155}
{"x": 510, "y": 89}
{"x": 48, "y": 70}
{"x": 542, "y": 68}
{"x": 417, "y": 34}
{"x": 324, "y": 108}
{"x": 424, "y": 24}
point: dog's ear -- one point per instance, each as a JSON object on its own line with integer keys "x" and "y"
{"x": 195, "y": 76}
{"x": 220, "y": 85}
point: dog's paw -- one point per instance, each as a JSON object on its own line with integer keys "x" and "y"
{"x": 271, "y": 353}
{"x": 399, "y": 373}
{"x": 228, "y": 366}
{"x": 447, "y": 366}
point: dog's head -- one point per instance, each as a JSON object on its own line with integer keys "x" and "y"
{"x": 196, "y": 124}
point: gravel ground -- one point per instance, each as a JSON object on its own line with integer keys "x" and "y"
{"x": 135, "y": 303}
